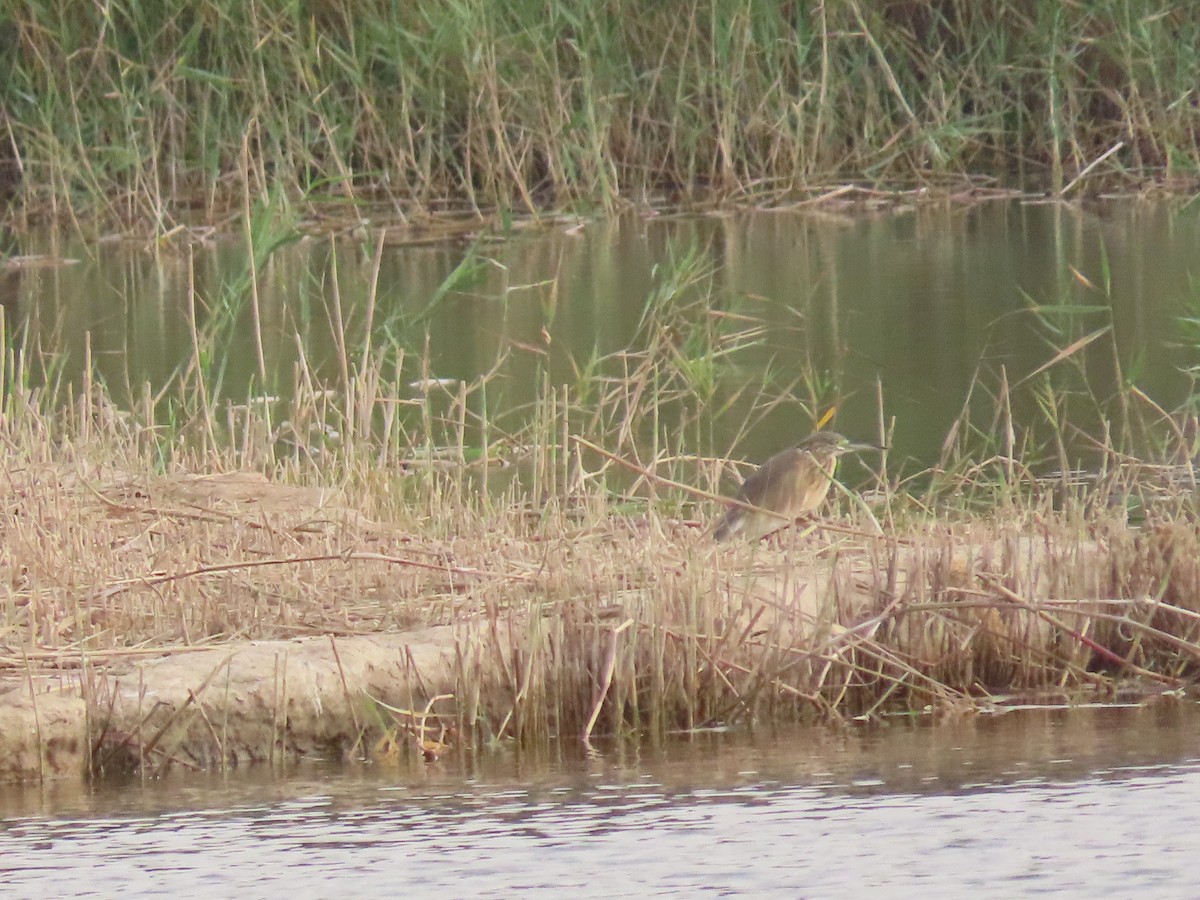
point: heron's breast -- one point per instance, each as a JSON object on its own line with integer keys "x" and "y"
{"x": 812, "y": 483}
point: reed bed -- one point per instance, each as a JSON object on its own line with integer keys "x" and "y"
{"x": 153, "y": 118}
{"x": 571, "y": 557}
{"x": 561, "y": 550}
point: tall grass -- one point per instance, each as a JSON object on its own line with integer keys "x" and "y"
{"x": 156, "y": 115}
{"x": 565, "y": 544}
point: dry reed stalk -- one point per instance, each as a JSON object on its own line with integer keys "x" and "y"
{"x": 1096, "y": 648}
{"x": 950, "y": 609}
{"x": 610, "y": 662}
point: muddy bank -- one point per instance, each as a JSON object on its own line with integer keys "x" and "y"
{"x": 265, "y": 700}
{"x": 324, "y": 611}
{"x": 937, "y": 623}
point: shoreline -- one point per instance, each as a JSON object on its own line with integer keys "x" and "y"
{"x": 622, "y": 626}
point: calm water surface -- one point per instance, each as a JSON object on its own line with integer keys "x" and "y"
{"x": 1075, "y": 803}
{"x": 922, "y": 300}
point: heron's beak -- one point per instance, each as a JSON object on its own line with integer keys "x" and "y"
{"x": 855, "y": 446}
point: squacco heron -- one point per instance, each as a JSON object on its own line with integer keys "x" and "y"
{"x": 787, "y": 486}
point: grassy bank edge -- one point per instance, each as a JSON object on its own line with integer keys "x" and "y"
{"x": 147, "y": 119}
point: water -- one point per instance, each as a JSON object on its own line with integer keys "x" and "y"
{"x": 1074, "y": 803}
{"x": 922, "y": 301}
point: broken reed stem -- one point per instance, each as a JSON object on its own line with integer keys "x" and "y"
{"x": 610, "y": 662}
{"x": 37, "y": 722}
{"x": 1096, "y": 648}
{"x": 76, "y": 657}
{"x": 350, "y": 556}
{"x": 350, "y": 704}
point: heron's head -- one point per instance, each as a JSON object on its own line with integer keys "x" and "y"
{"x": 830, "y": 443}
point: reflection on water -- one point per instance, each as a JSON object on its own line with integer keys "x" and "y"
{"x": 920, "y": 299}
{"x": 1076, "y": 802}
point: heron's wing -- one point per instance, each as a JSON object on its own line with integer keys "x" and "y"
{"x": 755, "y": 488}
{"x": 729, "y": 524}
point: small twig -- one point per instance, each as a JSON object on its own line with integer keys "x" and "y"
{"x": 125, "y": 584}
{"x": 410, "y": 713}
{"x": 193, "y": 697}
{"x": 212, "y": 731}
{"x": 75, "y": 656}
{"x": 1088, "y": 168}
{"x": 1096, "y": 648}
{"x": 1158, "y": 634}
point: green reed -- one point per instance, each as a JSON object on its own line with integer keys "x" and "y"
{"x": 149, "y": 117}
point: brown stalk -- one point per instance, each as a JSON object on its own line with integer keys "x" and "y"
{"x": 162, "y": 578}
{"x": 1103, "y": 652}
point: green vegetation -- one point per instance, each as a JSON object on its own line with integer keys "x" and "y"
{"x": 565, "y": 545}
{"x": 149, "y": 115}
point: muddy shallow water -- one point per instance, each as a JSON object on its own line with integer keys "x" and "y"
{"x": 1073, "y": 802}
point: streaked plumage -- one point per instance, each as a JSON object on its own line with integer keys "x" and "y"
{"x": 792, "y": 483}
